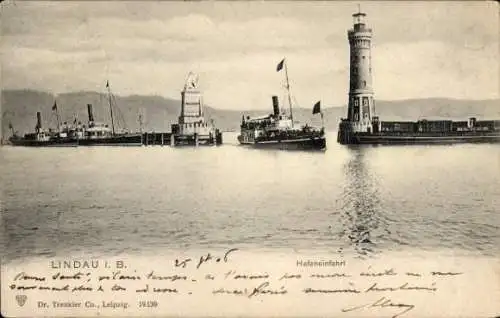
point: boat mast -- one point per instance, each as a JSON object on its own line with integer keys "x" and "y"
{"x": 140, "y": 123}
{"x": 110, "y": 107}
{"x": 288, "y": 91}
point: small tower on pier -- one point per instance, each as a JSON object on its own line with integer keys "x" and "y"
{"x": 191, "y": 127}
{"x": 360, "y": 110}
{"x": 191, "y": 106}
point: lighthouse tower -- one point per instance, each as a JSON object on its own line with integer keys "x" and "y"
{"x": 360, "y": 110}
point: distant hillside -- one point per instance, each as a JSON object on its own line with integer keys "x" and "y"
{"x": 20, "y": 106}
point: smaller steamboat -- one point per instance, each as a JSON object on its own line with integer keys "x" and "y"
{"x": 64, "y": 137}
{"x": 278, "y": 131}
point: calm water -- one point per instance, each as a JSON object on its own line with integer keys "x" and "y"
{"x": 365, "y": 200}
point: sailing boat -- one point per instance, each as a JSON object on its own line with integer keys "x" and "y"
{"x": 278, "y": 130}
{"x": 100, "y": 134}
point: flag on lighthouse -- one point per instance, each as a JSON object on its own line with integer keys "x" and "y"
{"x": 280, "y": 65}
{"x": 317, "y": 108}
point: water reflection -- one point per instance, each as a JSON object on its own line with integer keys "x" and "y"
{"x": 361, "y": 208}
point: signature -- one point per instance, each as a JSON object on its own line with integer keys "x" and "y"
{"x": 383, "y": 303}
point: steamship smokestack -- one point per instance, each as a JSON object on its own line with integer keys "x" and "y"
{"x": 38, "y": 120}
{"x": 91, "y": 115}
{"x": 276, "y": 106}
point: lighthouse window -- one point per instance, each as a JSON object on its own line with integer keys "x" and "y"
{"x": 364, "y": 83}
{"x": 364, "y": 57}
{"x": 365, "y": 101}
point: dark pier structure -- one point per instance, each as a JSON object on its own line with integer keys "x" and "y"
{"x": 171, "y": 139}
{"x": 156, "y": 138}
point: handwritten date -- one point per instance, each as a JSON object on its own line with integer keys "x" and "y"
{"x": 182, "y": 263}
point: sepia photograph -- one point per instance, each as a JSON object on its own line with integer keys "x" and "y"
{"x": 250, "y": 159}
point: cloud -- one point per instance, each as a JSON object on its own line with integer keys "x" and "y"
{"x": 434, "y": 69}
{"x": 428, "y": 51}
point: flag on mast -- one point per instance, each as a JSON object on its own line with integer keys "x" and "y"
{"x": 317, "y": 108}
{"x": 107, "y": 84}
{"x": 280, "y": 65}
{"x": 10, "y": 125}
{"x": 55, "y": 106}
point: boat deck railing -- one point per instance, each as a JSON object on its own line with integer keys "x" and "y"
{"x": 292, "y": 134}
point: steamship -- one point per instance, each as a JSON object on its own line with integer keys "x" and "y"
{"x": 192, "y": 129}
{"x": 78, "y": 134}
{"x": 278, "y": 130}
{"x": 64, "y": 137}
{"x": 362, "y": 126}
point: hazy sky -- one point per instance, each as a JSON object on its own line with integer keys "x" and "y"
{"x": 420, "y": 49}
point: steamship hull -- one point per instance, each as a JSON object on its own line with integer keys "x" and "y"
{"x": 314, "y": 143}
{"x": 128, "y": 140}
{"x": 412, "y": 139}
{"x": 43, "y": 143}
{"x": 117, "y": 140}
